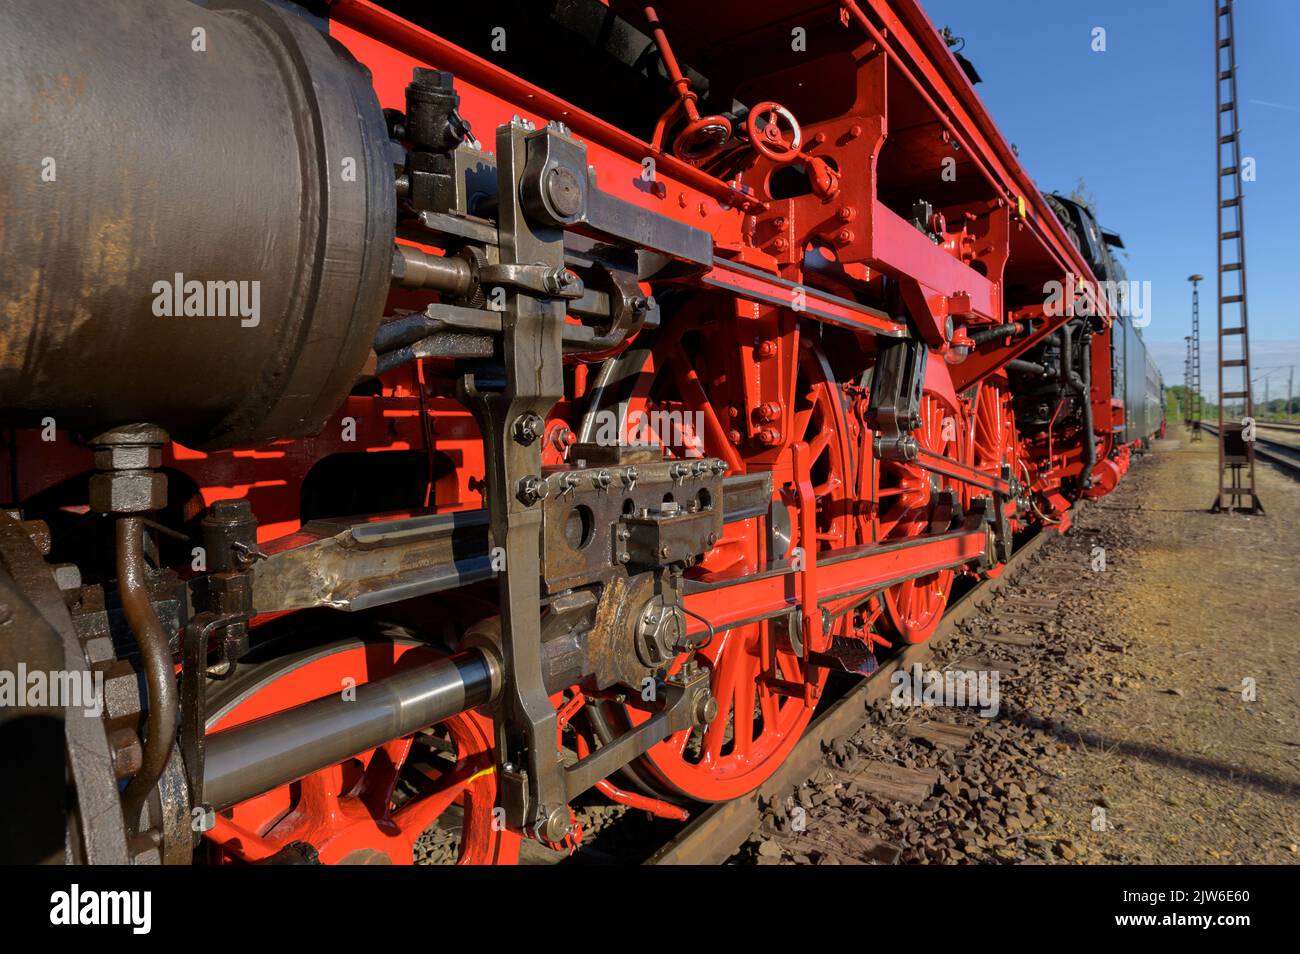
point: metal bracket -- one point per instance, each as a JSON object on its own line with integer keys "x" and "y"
{"x": 531, "y": 772}
{"x": 894, "y": 408}
{"x": 688, "y": 703}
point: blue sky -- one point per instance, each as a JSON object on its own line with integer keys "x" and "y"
{"x": 1136, "y": 123}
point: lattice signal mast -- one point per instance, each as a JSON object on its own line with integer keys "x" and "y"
{"x": 1236, "y": 487}
{"x": 1193, "y": 372}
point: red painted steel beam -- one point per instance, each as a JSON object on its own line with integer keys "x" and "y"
{"x": 752, "y": 284}
{"x": 855, "y": 570}
{"x": 915, "y": 47}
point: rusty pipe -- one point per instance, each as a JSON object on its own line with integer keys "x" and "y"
{"x": 156, "y": 660}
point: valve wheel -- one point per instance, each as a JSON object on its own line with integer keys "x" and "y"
{"x": 765, "y": 691}
{"x": 702, "y": 139}
{"x": 764, "y": 125}
{"x": 907, "y": 501}
{"x": 437, "y": 786}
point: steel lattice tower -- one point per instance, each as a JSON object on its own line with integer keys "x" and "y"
{"x": 1236, "y": 452}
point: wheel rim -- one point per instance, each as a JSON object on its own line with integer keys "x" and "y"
{"x": 374, "y": 807}
{"x": 906, "y": 495}
{"x": 753, "y": 667}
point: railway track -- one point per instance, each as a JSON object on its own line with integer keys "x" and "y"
{"x": 718, "y": 832}
{"x": 1279, "y": 425}
{"x": 1279, "y": 453}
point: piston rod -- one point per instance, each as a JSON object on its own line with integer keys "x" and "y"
{"x": 266, "y": 753}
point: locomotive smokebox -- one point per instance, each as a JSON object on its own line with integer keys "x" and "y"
{"x": 196, "y": 215}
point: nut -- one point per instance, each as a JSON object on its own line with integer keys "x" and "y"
{"x": 128, "y": 457}
{"x": 67, "y": 576}
{"x": 129, "y": 492}
{"x": 128, "y": 755}
{"x": 532, "y": 489}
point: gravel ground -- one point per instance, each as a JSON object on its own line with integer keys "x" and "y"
{"x": 1125, "y": 731}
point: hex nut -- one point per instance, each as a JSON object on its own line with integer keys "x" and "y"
{"x": 67, "y": 576}
{"x": 127, "y": 752}
{"x": 128, "y": 457}
{"x": 130, "y": 492}
{"x": 121, "y": 695}
{"x": 98, "y": 649}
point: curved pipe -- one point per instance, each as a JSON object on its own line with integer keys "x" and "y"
{"x": 156, "y": 660}
{"x": 985, "y": 335}
{"x": 1028, "y": 367}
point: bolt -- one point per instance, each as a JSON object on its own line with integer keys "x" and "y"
{"x": 769, "y": 412}
{"x": 629, "y": 477}
{"x": 844, "y": 236}
{"x": 769, "y": 436}
{"x": 767, "y": 349}
{"x": 528, "y": 427}
{"x": 532, "y": 489}
{"x": 562, "y": 437}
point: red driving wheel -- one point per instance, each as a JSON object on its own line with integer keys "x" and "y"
{"x": 907, "y": 499}
{"x": 766, "y": 693}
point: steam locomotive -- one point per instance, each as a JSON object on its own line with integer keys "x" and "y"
{"x": 414, "y": 420}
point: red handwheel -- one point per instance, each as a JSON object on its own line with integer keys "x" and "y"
{"x": 774, "y": 132}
